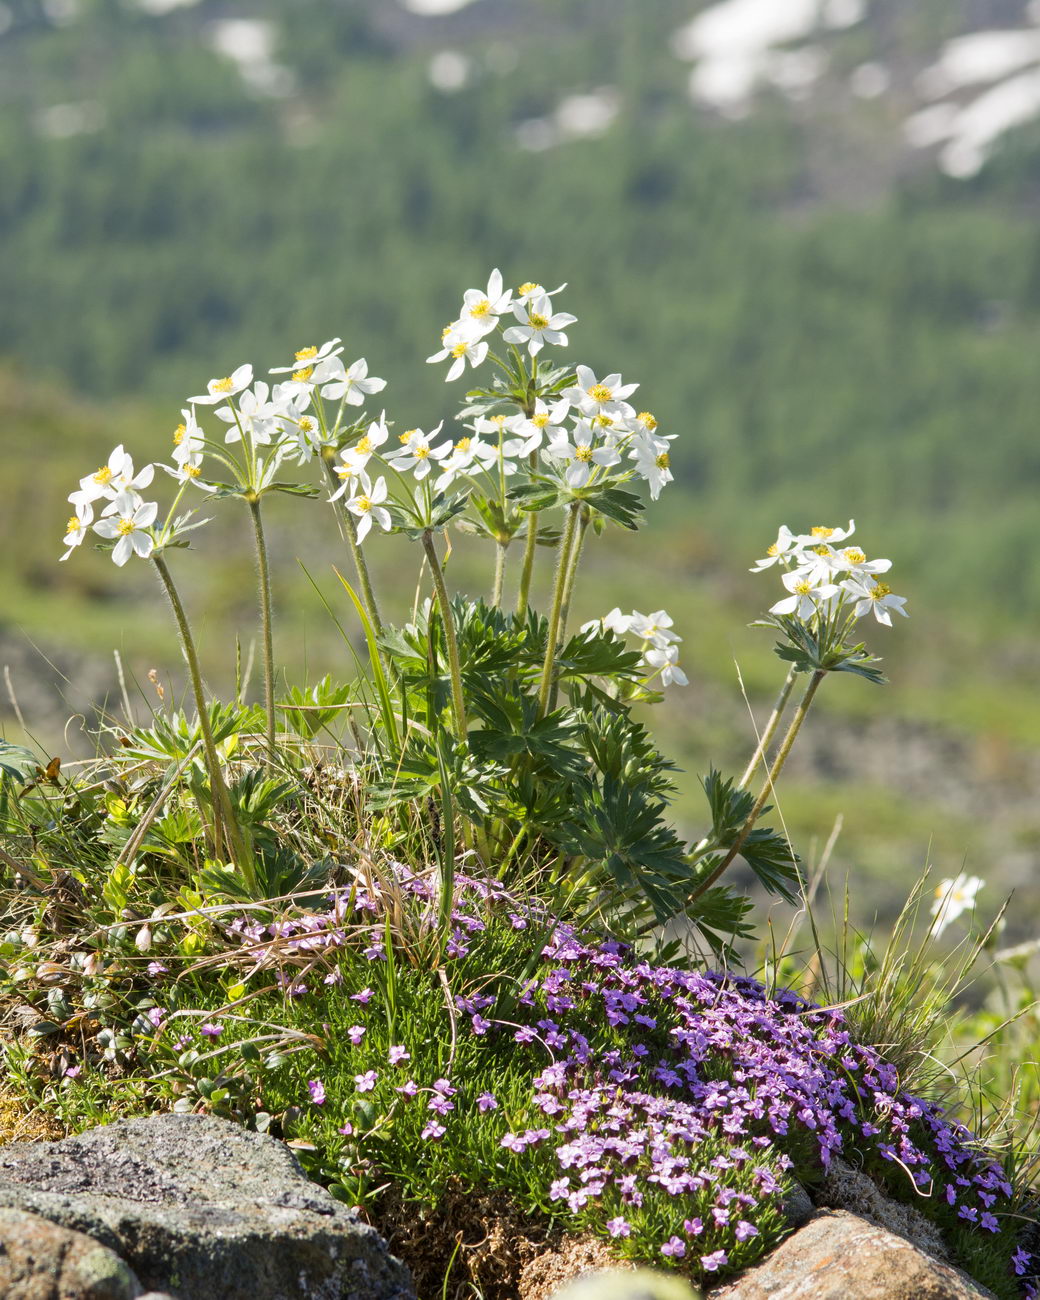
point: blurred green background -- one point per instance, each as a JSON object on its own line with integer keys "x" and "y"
{"x": 812, "y": 240}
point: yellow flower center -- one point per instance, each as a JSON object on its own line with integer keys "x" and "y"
{"x": 344, "y": 471}
{"x": 178, "y": 435}
{"x": 821, "y": 532}
{"x": 459, "y": 350}
{"x": 407, "y": 436}
{"x": 446, "y": 331}
{"x": 600, "y": 393}
{"x": 527, "y": 287}
{"x": 364, "y": 504}
{"x": 480, "y": 309}
{"x": 773, "y": 550}
{"x": 647, "y": 420}
{"x": 421, "y": 453}
{"x": 305, "y": 354}
{"x": 306, "y": 424}
{"x": 193, "y": 471}
{"x": 364, "y": 446}
{"x": 537, "y": 321}
{"x": 583, "y": 454}
{"x": 853, "y": 556}
{"x": 301, "y": 376}
{"x": 224, "y": 385}
{"x": 821, "y": 550}
{"x": 463, "y": 444}
{"x": 499, "y": 420}
{"x": 540, "y": 421}
{"x": 74, "y": 524}
{"x": 604, "y": 421}
{"x": 104, "y": 475}
{"x": 803, "y": 588}
{"x": 126, "y": 526}
{"x": 880, "y": 589}
{"x": 663, "y": 461}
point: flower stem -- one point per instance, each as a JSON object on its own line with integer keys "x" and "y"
{"x": 584, "y": 516}
{"x": 350, "y": 533}
{"x": 266, "y": 625}
{"x": 454, "y": 664}
{"x": 562, "y": 571}
{"x": 770, "y": 731}
{"x": 767, "y": 789}
{"x": 225, "y": 826}
{"x": 500, "y": 573}
{"x": 527, "y": 570}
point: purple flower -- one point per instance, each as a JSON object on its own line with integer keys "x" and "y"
{"x": 347, "y": 1129}
{"x": 157, "y": 1015}
{"x": 713, "y": 1262}
{"x": 693, "y": 1227}
{"x": 210, "y": 1030}
{"x": 73, "y": 1071}
{"x": 364, "y": 996}
{"x": 745, "y": 1230}
{"x": 367, "y": 1081}
{"x": 156, "y": 968}
{"x": 674, "y": 1247}
{"x": 487, "y": 1101}
{"x": 410, "y": 1089}
{"x": 619, "y": 1227}
{"x": 525, "y": 1035}
{"x": 398, "y": 1054}
{"x": 355, "y": 1033}
{"x": 433, "y": 1130}
{"x": 440, "y": 1104}
{"x": 478, "y": 1024}
{"x": 559, "y": 1189}
{"x": 317, "y": 1090}
{"x": 443, "y": 1086}
{"x": 1020, "y": 1261}
{"x": 513, "y": 1142}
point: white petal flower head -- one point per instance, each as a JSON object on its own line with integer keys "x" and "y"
{"x": 367, "y": 505}
{"x": 788, "y": 546}
{"x": 312, "y": 365}
{"x": 112, "y": 478}
{"x": 653, "y": 461}
{"x": 539, "y": 325}
{"x": 873, "y": 596}
{"x": 656, "y": 628}
{"x": 545, "y": 422}
{"x": 821, "y": 534}
{"x": 219, "y": 390}
{"x": 953, "y": 898}
{"x": 76, "y": 528}
{"x": 665, "y": 660}
{"x": 355, "y": 459}
{"x": 126, "y": 521}
{"x": 187, "y": 437}
{"x": 481, "y": 309}
{"x": 465, "y": 455}
{"x": 616, "y": 622}
{"x": 529, "y": 290}
{"x": 582, "y": 456}
{"x": 461, "y": 345}
{"x": 256, "y": 416}
{"x": 354, "y": 386}
{"x": 856, "y": 565}
{"x": 417, "y": 454}
{"x": 604, "y": 396}
{"x": 806, "y": 594}
{"x": 302, "y": 426}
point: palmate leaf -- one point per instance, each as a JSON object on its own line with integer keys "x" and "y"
{"x": 616, "y": 503}
{"x": 720, "y": 914}
{"x": 809, "y": 654}
{"x": 515, "y": 729}
{"x": 598, "y": 654}
{"x": 767, "y": 853}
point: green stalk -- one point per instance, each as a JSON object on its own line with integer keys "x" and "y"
{"x": 454, "y": 664}
{"x": 770, "y": 731}
{"x": 266, "y": 623}
{"x": 500, "y": 573}
{"x": 527, "y": 570}
{"x": 584, "y": 517}
{"x": 350, "y": 532}
{"x": 767, "y": 789}
{"x": 225, "y": 825}
{"x": 562, "y": 570}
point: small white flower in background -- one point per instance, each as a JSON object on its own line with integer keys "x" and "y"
{"x": 653, "y": 462}
{"x": 461, "y": 346}
{"x": 356, "y": 458}
{"x": 821, "y": 534}
{"x": 417, "y": 454}
{"x": 353, "y": 385}
{"x": 582, "y": 455}
{"x": 856, "y": 565}
{"x": 871, "y": 595}
{"x": 295, "y": 421}
{"x": 257, "y": 416}
{"x": 466, "y": 453}
{"x": 76, "y": 528}
{"x": 218, "y": 390}
{"x": 539, "y": 325}
{"x": 806, "y": 595}
{"x": 481, "y": 309}
{"x": 605, "y": 396}
{"x": 615, "y": 622}
{"x": 313, "y": 365}
{"x": 952, "y": 898}
{"x": 127, "y": 519}
{"x": 665, "y": 659}
{"x": 529, "y": 290}
{"x": 531, "y": 433}
{"x": 187, "y": 437}
{"x": 116, "y": 476}
{"x": 367, "y": 505}
{"x": 786, "y": 547}
{"x": 655, "y": 628}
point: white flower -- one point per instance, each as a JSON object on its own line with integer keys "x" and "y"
{"x": 615, "y": 622}
{"x": 787, "y": 546}
{"x": 464, "y": 455}
{"x": 877, "y": 596}
{"x": 416, "y": 454}
{"x": 581, "y": 455}
{"x": 357, "y": 457}
{"x": 481, "y": 310}
{"x": 593, "y": 396}
{"x": 187, "y": 437}
{"x": 461, "y": 346}
{"x": 538, "y": 325}
{"x": 112, "y": 478}
{"x": 257, "y": 416}
{"x": 219, "y": 389}
{"x": 529, "y": 290}
{"x": 952, "y": 898}
{"x": 530, "y": 433}
{"x": 821, "y": 534}
{"x": 128, "y": 518}
{"x": 666, "y": 660}
{"x": 655, "y": 628}
{"x": 367, "y": 505}
{"x": 353, "y": 385}
{"x": 76, "y": 528}
{"x": 295, "y": 420}
{"x": 855, "y": 563}
{"x": 653, "y": 462}
{"x": 805, "y": 596}
{"x": 313, "y": 365}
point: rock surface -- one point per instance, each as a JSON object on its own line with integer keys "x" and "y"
{"x": 203, "y": 1210}
{"x": 41, "y": 1261}
{"x": 840, "y": 1256}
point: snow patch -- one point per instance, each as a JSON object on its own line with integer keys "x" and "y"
{"x": 978, "y": 58}
{"x": 250, "y": 43}
{"x": 431, "y": 8}
{"x": 448, "y": 71}
{"x": 576, "y": 117}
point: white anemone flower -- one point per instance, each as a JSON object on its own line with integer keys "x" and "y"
{"x": 852, "y": 560}
{"x": 367, "y": 506}
{"x": 604, "y": 396}
{"x": 529, "y": 290}
{"x": 466, "y": 453}
{"x": 257, "y": 416}
{"x": 665, "y": 660}
{"x": 546, "y": 422}
{"x": 188, "y": 469}
{"x": 877, "y": 596}
{"x": 128, "y": 519}
{"x": 806, "y": 594}
{"x": 218, "y": 390}
{"x": 582, "y": 455}
{"x": 655, "y": 628}
{"x": 187, "y": 437}
{"x": 312, "y": 365}
{"x": 953, "y": 898}
{"x": 353, "y": 385}
{"x": 417, "y": 454}
{"x": 787, "y": 546}
{"x": 615, "y": 622}
{"x": 653, "y": 462}
{"x": 482, "y": 308}
{"x": 297, "y": 423}
{"x": 356, "y": 458}
{"x": 821, "y": 535}
{"x": 539, "y": 325}
{"x": 461, "y": 345}
{"x": 114, "y": 477}
{"x": 76, "y": 528}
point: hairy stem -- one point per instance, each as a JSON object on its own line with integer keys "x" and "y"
{"x": 527, "y": 569}
{"x": 454, "y": 665}
{"x": 500, "y": 573}
{"x": 266, "y": 623}
{"x": 767, "y": 789}
{"x": 562, "y": 570}
{"x": 770, "y": 731}
{"x": 584, "y": 516}
{"x": 350, "y": 533}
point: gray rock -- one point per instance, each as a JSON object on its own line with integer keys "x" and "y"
{"x": 839, "y": 1256}
{"x": 798, "y": 1207}
{"x": 204, "y": 1210}
{"x": 41, "y": 1261}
